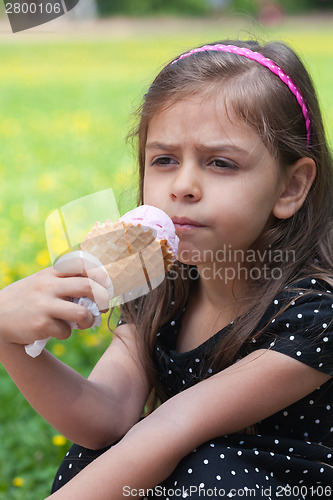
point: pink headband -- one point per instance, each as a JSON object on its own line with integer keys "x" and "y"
{"x": 264, "y": 61}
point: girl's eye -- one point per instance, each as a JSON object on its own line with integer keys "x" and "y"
{"x": 221, "y": 163}
{"x": 163, "y": 160}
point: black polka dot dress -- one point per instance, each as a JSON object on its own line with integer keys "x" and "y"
{"x": 290, "y": 454}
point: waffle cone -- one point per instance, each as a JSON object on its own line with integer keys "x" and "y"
{"x": 131, "y": 255}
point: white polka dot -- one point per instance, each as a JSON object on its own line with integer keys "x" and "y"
{"x": 80, "y": 455}
{"x": 201, "y": 485}
{"x": 316, "y": 311}
{"x": 256, "y": 469}
{"x": 222, "y": 456}
{"x": 212, "y": 445}
{"x": 276, "y": 302}
{"x": 287, "y": 325}
{"x": 233, "y": 472}
{"x": 190, "y": 471}
{"x": 300, "y": 315}
{"x": 70, "y": 466}
{"x": 328, "y": 407}
{"x": 246, "y": 471}
{"x": 298, "y": 353}
{"x": 318, "y": 349}
{"x": 218, "y": 478}
{"x": 190, "y": 370}
{"x": 239, "y": 453}
{"x": 329, "y": 455}
{"x": 67, "y": 454}
{"x": 324, "y": 325}
{"x": 311, "y": 402}
{"x": 313, "y": 281}
{"x": 205, "y": 461}
{"x": 317, "y": 421}
{"x": 276, "y": 441}
{"x": 292, "y": 337}
{"x": 60, "y": 477}
{"x": 285, "y": 413}
{"x": 172, "y": 323}
{"x": 325, "y": 339}
{"x": 197, "y": 360}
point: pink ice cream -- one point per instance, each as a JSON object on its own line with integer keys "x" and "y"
{"x": 153, "y": 217}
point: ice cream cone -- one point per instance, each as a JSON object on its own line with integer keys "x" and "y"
{"x": 134, "y": 258}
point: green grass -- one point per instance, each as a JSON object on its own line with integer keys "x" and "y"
{"x": 65, "y": 109}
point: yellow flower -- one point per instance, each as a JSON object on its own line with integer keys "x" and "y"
{"x": 92, "y": 340}
{"x": 47, "y": 182}
{"x": 82, "y": 121}
{"x": 58, "y": 349}
{"x": 59, "y": 440}
{"x": 18, "y": 482}
{"x": 43, "y": 258}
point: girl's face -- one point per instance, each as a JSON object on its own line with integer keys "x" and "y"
{"x": 212, "y": 174}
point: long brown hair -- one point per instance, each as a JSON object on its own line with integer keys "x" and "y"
{"x": 265, "y": 103}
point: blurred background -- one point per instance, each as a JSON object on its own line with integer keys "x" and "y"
{"x": 68, "y": 92}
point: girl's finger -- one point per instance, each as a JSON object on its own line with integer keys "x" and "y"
{"x": 70, "y": 312}
{"x": 83, "y": 264}
{"x": 83, "y": 287}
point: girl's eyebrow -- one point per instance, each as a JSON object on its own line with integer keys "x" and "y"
{"x": 205, "y": 147}
{"x": 223, "y": 147}
{"x": 159, "y": 145}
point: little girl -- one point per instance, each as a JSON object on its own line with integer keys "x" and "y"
{"x": 229, "y": 360}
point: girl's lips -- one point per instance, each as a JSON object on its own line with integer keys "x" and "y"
{"x": 185, "y": 224}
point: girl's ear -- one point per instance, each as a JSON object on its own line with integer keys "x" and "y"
{"x": 295, "y": 188}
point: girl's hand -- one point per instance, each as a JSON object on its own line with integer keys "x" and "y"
{"x": 40, "y": 305}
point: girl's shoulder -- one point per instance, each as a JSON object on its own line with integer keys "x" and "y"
{"x": 299, "y": 323}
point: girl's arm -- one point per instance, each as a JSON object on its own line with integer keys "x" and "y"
{"x": 254, "y": 388}
{"x": 93, "y": 412}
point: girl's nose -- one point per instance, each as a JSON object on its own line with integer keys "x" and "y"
{"x": 186, "y": 185}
